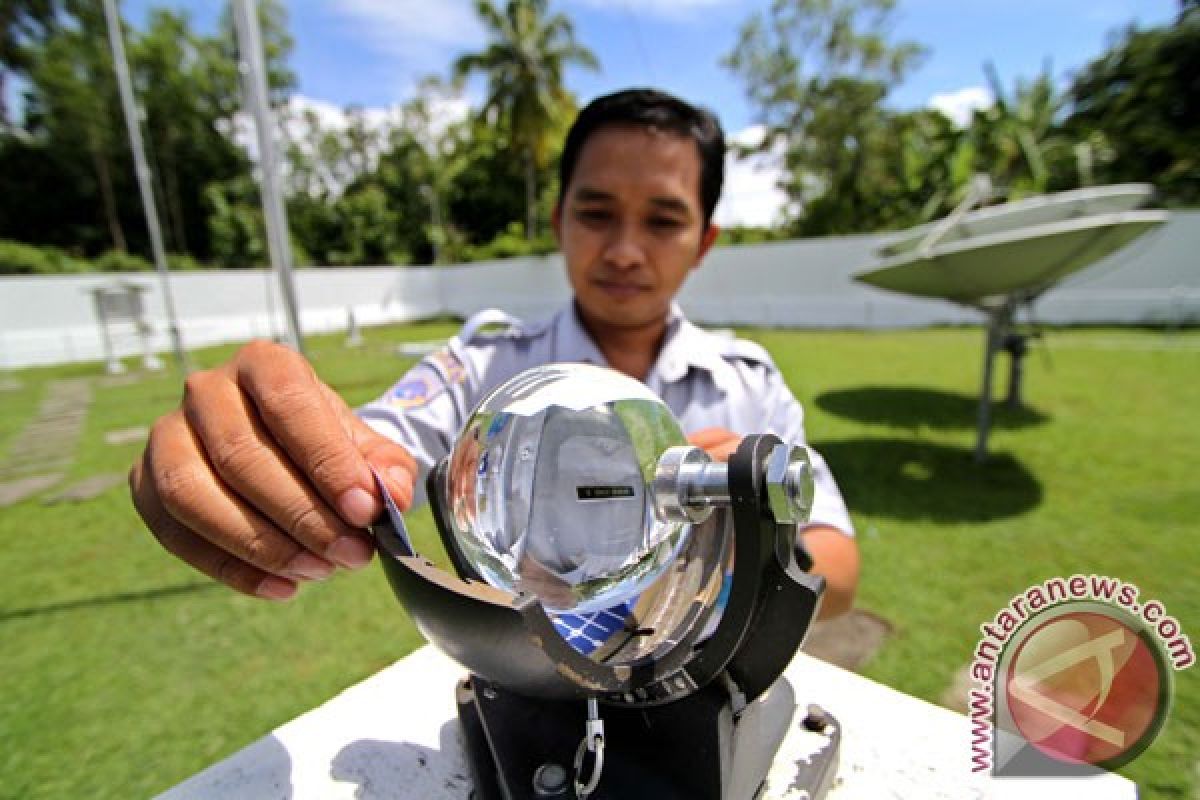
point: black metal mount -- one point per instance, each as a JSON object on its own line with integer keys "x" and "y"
{"x": 672, "y": 723}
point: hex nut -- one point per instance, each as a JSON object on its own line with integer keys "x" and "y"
{"x": 789, "y": 483}
{"x": 801, "y": 484}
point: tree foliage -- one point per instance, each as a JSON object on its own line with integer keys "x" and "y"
{"x": 67, "y": 171}
{"x": 420, "y": 185}
{"x": 524, "y": 65}
{"x": 1142, "y": 98}
{"x": 816, "y": 73}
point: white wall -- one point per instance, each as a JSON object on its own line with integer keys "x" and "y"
{"x": 807, "y": 284}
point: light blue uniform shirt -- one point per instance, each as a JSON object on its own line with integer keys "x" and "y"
{"x": 707, "y": 380}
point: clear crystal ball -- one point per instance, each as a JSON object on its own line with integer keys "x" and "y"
{"x": 548, "y": 487}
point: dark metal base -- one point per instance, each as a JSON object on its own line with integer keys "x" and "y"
{"x": 519, "y": 748}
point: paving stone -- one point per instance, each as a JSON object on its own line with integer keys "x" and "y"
{"x": 125, "y": 379}
{"x": 86, "y": 489}
{"x": 848, "y": 641}
{"x": 35, "y": 466}
{"x": 48, "y": 442}
{"x": 955, "y": 696}
{"x": 126, "y": 435}
{"x": 13, "y": 492}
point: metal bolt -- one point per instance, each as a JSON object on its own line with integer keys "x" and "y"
{"x": 789, "y": 483}
{"x": 550, "y": 780}
{"x": 688, "y": 484}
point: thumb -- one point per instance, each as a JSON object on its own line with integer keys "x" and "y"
{"x": 392, "y": 462}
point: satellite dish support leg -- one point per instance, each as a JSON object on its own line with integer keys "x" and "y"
{"x": 998, "y": 326}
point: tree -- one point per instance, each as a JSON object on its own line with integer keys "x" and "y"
{"x": 486, "y": 192}
{"x": 186, "y": 91}
{"x": 1019, "y": 142}
{"x": 72, "y": 137}
{"x": 817, "y": 73}
{"x": 1140, "y": 99}
{"x": 524, "y": 65}
{"x": 22, "y": 22}
{"x": 72, "y": 105}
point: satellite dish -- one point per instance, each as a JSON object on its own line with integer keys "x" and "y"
{"x": 996, "y": 258}
{"x": 978, "y": 258}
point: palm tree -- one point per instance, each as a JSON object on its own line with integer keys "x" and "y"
{"x": 1019, "y": 138}
{"x": 524, "y": 64}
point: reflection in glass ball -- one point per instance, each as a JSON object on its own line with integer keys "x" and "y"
{"x": 547, "y": 487}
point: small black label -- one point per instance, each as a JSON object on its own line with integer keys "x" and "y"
{"x": 603, "y": 492}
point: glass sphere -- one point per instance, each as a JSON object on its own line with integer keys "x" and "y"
{"x": 548, "y": 487}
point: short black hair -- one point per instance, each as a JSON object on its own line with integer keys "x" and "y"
{"x": 651, "y": 108}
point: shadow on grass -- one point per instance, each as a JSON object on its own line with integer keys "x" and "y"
{"x": 105, "y": 600}
{"x": 910, "y": 407}
{"x": 912, "y": 480}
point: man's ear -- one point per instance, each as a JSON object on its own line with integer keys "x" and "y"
{"x": 707, "y": 240}
{"x": 556, "y": 223}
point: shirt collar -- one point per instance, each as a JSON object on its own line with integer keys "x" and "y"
{"x": 688, "y": 346}
{"x": 684, "y": 347}
{"x": 572, "y": 342}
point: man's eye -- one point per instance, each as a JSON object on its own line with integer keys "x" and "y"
{"x": 665, "y": 223}
{"x": 593, "y": 214}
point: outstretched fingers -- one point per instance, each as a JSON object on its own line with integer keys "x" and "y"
{"x": 254, "y": 467}
{"x": 180, "y": 505}
{"x": 290, "y": 401}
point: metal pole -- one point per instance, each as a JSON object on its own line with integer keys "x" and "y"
{"x": 254, "y": 77}
{"x": 998, "y": 324}
{"x": 985, "y": 392}
{"x": 142, "y": 169}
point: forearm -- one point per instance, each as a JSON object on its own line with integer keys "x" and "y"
{"x": 835, "y": 558}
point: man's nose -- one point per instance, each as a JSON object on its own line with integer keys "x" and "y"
{"x": 623, "y": 249}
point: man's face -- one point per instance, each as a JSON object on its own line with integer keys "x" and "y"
{"x": 631, "y": 225}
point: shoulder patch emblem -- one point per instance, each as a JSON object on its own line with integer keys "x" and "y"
{"x": 414, "y": 390}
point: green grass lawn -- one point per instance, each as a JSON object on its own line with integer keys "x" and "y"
{"x": 125, "y": 672}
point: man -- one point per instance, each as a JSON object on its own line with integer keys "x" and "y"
{"x": 262, "y": 479}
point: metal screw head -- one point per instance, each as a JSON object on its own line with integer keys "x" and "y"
{"x": 550, "y": 780}
{"x": 789, "y": 483}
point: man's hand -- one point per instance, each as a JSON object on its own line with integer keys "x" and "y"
{"x": 834, "y": 554}
{"x": 719, "y": 443}
{"x": 261, "y": 479}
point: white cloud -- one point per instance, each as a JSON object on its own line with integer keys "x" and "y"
{"x": 752, "y": 195}
{"x": 292, "y": 127}
{"x": 331, "y": 116}
{"x": 414, "y": 32}
{"x": 959, "y": 105}
{"x": 672, "y": 9}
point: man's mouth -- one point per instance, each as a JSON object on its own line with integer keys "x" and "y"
{"x": 620, "y": 288}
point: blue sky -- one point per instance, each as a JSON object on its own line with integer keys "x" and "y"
{"x": 372, "y": 53}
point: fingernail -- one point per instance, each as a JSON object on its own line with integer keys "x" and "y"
{"x": 357, "y": 507}
{"x": 306, "y": 565}
{"x": 400, "y": 477}
{"x": 273, "y": 588}
{"x": 351, "y": 552}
